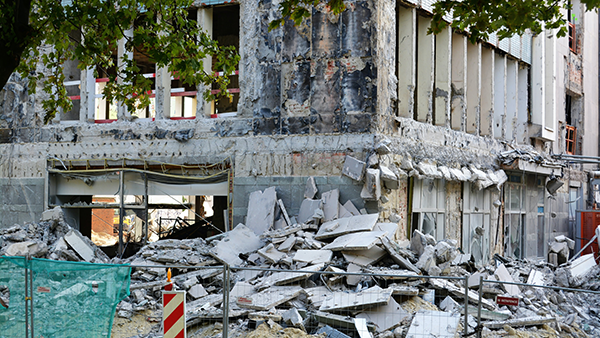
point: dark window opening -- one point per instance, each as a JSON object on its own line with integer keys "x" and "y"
{"x": 226, "y": 31}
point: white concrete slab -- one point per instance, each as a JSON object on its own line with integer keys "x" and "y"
{"x": 434, "y": 324}
{"x": 288, "y": 244}
{"x": 356, "y": 241}
{"x": 504, "y": 276}
{"x": 313, "y": 256}
{"x": 353, "y": 168}
{"x": 271, "y": 254}
{"x": 284, "y": 212}
{"x": 261, "y": 210}
{"x": 311, "y": 188}
{"x": 582, "y": 265}
{"x": 536, "y": 277}
{"x": 390, "y": 228}
{"x": 307, "y": 209}
{"x": 331, "y": 205}
{"x": 237, "y": 241}
{"x": 269, "y": 298}
{"x": 351, "y": 208}
{"x": 365, "y": 257}
{"x": 343, "y": 211}
{"x": 283, "y": 278}
{"x": 79, "y": 245}
{"x": 347, "y": 225}
{"x": 317, "y": 295}
{"x": 385, "y": 317}
{"x": 353, "y": 280}
{"x": 344, "y": 301}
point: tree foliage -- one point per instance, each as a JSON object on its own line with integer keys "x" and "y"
{"x": 479, "y": 18}
{"x": 161, "y": 31}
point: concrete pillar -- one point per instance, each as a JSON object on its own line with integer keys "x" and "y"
{"x": 88, "y": 96}
{"x": 443, "y": 68}
{"x": 550, "y": 86}
{"x": 205, "y": 22}
{"x": 407, "y": 61}
{"x": 163, "y": 93}
{"x": 425, "y": 70}
{"x": 500, "y": 121}
{"x": 473, "y": 87}
{"x": 522, "y": 105}
{"x": 512, "y": 69}
{"x": 487, "y": 92}
{"x": 538, "y": 78}
{"x": 458, "y": 112}
{"x": 122, "y": 53}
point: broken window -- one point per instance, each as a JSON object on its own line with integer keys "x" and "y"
{"x": 476, "y": 222}
{"x": 429, "y": 207}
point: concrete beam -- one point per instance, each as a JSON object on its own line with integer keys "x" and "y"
{"x": 458, "y": 113}
{"x": 205, "y": 21}
{"x": 500, "y": 121}
{"x": 443, "y": 69}
{"x": 122, "y": 53}
{"x": 473, "y": 87}
{"x": 425, "y": 69}
{"x": 407, "y": 61}
{"x": 487, "y": 92}
{"x": 512, "y": 70}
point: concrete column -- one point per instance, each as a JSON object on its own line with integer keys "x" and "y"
{"x": 443, "y": 69}
{"x": 458, "y": 112}
{"x": 538, "y": 78}
{"x": 163, "y": 93}
{"x": 473, "y": 87}
{"x": 512, "y": 68}
{"x": 425, "y": 70}
{"x": 550, "y": 86}
{"x": 205, "y": 22}
{"x": 407, "y": 61}
{"x": 88, "y": 96}
{"x": 122, "y": 53}
{"x": 500, "y": 121}
{"x": 487, "y": 92}
{"x": 522, "y": 106}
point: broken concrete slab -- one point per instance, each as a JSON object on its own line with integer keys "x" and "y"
{"x": 385, "y": 317}
{"x": 504, "y": 276}
{"x": 308, "y": 209}
{"x": 284, "y": 212}
{"x": 461, "y": 259}
{"x": 398, "y": 258}
{"x": 234, "y": 242}
{"x": 390, "y": 228}
{"x": 516, "y": 322}
{"x": 269, "y": 298}
{"x": 288, "y": 244}
{"x": 434, "y": 324}
{"x": 418, "y": 242}
{"x": 313, "y": 256}
{"x": 344, "y": 301}
{"x": 353, "y": 168}
{"x": 330, "y": 332}
{"x": 337, "y": 320}
{"x": 311, "y": 188}
{"x": 536, "y": 277}
{"x": 76, "y": 242}
{"x": 271, "y": 254}
{"x": 460, "y": 292}
{"x": 356, "y": 241}
{"x": 365, "y": 257}
{"x": 331, "y": 205}
{"x": 261, "y": 210}
{"x": 403, "y": 290}
{"x": 372, "y": 185}
{"x": 27, "y": 248}
{"x": 347, "y": 225}
{"x": 293, "y": 317}
{"x": 427, "y": 259}
{"x": 343, "y": 211}
{"x": 389, "y": 178}
{"x": 444, "y": 252}
{"x": 288, "y": 277}
{"x": 351, "y": 208}
{"x": 582, "y": 265}
{"x": 316, "y": 295}
{"x": 197, "y": 291}
{"x": 450, "y": 305}
{"x": 353, "y": 280}
{"x": 563, "y": 238}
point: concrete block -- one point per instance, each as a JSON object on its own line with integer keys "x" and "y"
{"x": 444, "y": 252}
{"x": 353, "y": 168}
{"x": 197, "y": 291}
{"x": 418, "y": 242}
{"x": 288, "y": 244}
{"x": 292, "y": 316}
{"x": 502, "y": 274}
{"x": 386, "y": 317}
{"x": 563, "y": 238}
{"x": 449, "y": 305}
{"x": 343, "y": 212}
{"x": 373, "y": 183}
{"x": 237, "y": 241}
{"x": 582, "y": 265}
{"x": 388, "y": 177}
{"x": 536, "y": 277}
{"x": 356, "y": 241}
{"x": 269, "y": 298}
{"x": 76, "y": 242}
{"x": 353, "y": 280}
{"x": 311, "y": 188}
{"x": 308, "y": 209}
{"x": 313, "y": 256}
{"x": 427, "y": 259}
{"x": 331, "y": 205}
{"x": 55, "y": 214}
{"x": 261, "y": 210}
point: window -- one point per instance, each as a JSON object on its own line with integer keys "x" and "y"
{"x": 570, "y": 129}
{"x": 429, "y": 207}
{"x": 476, "y": 222}
{"x": 514, "y": 217}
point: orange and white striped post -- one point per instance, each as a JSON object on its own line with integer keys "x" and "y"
{"x": 173, "y": 312}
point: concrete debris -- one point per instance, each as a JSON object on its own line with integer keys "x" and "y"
{"x": 239, "y": 240}
{"x": 372, "y": 189}
{"x": 261, "y": 210}
{"x": 529, "y": 321}
{"x": 434, "y": 324}
{"x": 351, "y": 208}
{"x": 308, "y": 209}
{"x": 367, "y": 298}
{"x": 389, "y": 178}
{"x": 76, "y": 242}
{"x": 269, "y": 298}
{"x": 347, "y": 225}
{"x": 353, "y": 168}
{"x": 386, "y": 317}
{"x": 356, "y": 241}
{"x": 331, "y": 204}
{"x": 365, "y": 257}
{"x": 311, "y": 188}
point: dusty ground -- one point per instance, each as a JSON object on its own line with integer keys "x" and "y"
{"x": 137, "y": 325}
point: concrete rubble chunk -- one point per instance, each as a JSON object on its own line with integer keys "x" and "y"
{"x": 293, "y": 317}
{"x": 459, "y": 292}
{"x": 284, "y": 278}
{"x": 517, "y": 322}
{"x": 197, "y": 291}
{"x": 582, "y": 265}
{"x": 434, "y": 324}
{"x": 427, "y": 259}
{"x": 356, "y": 241}
{"x": 351, "y": 208}
{"x": 397, "y": 257}
{"x": 313, "y": 256}
{"x": 347, "y": 225}
{"x": 449, "y": 305}
{"x": 385, "y": 317}
{"x": 429, "y": 170}
{"x": 27, "y": 248}
{"x": 269, "y": 298}
{"x": 76, "y": 242}
{"x": 536, "y": 277}
{"x": 418, "y": 242}
{"x": 271, "y": 254}
{"x": 311, "y": 188}
{"x": 372, "y": 185}
{"x": 461, "y": 259}
{"x": 446, "y": 174}
{"x": 55, "y": 214}
{"x": 353, "y": 280}
{"x": 316, "y": 295}
{"x": 388, "y": 177}
{"x": 390, "y": 228}
{"x": 261, "y": 210}
{"x": 330, "y": 332}
{"x": 365, "y": 257}
{"x": 308, "y": 209}
{"x": 373, "y": 296}
{"x": 343, "y": 211}
{"x": 353, "y": 168}
{"x": 403, "y": 290}
{"x": 331, "y": 205}
{"x": 504, "y": 276}
{"x": 288, "y": 244}
{"x": 237, "y": 241}
{"x": 444, "y": 252}
{"x": 284, "y": 213}
{"x": 562, "y": 251}
{"x": 563, "y": 238}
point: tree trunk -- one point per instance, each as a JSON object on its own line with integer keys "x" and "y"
{"x": 15, "y": 36}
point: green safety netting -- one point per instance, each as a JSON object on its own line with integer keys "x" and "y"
{"x": 70, "y": 299}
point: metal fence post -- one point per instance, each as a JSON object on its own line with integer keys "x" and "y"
{"x": 466, "y": 324}
{"x": 479, "y": 307}
{"x": 26, "y": 297}
{"x": 225, "y": 301}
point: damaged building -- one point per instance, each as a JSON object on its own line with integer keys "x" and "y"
{"x": 493, "y": 145}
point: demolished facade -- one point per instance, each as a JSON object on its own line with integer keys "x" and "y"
{"x": 463, "y": 142}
